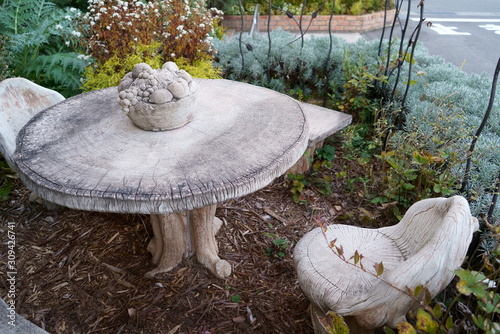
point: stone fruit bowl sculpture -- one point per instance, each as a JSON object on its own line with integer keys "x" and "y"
{"x": 158, "y": 100}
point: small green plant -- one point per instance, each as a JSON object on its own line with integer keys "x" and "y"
{"x": 358, "y": 93}
{"x": 7, "y": 176}
{"x": 278, "y": 247}
{"x": 422, "y": 161}
{"x": 298, "y": 182}
{"x": 326, "y": 153}
{"x": 236, "y": 298}
{"x": 424, "y": 176}
{"x": 477, "y": 284}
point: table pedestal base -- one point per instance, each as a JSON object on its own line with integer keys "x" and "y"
{"x": 181, "y": 235}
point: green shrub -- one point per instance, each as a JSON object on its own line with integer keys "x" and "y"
{"x": 114, "y": 69}
{"x": 443, "y": 109}
{"x": 4, "y": 67}
{"x": 466, "y": 96}
{"x": 42, "y": 44}
{"x": 200, "y": 68}
{"x": 349, "y": 7}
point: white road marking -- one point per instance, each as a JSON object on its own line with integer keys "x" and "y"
{"x": 493, "y": 27}
{"x": 464, "y": 20}
{"x": 443, "y": 30}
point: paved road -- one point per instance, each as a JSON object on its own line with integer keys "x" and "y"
{"x": 465, "y": 33}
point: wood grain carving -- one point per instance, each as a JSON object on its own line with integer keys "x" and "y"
{"x": 425, "y": 248}
{"x": 84, "y": 153}
{"x": 20, "y": 100}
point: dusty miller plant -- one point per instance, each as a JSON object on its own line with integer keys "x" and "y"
{"x": 288, "y": 67}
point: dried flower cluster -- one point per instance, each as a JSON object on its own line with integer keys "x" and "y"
{"x": 115, "y": 27}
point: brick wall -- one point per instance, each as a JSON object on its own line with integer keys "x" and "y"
{"x": 340, "y": 23}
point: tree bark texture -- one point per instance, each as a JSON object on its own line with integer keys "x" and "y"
{"x": 181, "y": 235}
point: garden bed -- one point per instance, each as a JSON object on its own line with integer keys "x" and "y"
{"x": 340, "y": 23}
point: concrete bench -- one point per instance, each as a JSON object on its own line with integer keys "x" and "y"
{"x": 323, "y": 123}
{"x": 20, "y": 100}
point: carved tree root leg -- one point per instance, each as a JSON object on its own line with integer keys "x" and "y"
{"x": 304, "y": 163}
{"x": 204, "y": 229}
{"x": 180, "y": 235}
{"x": 169, "y": 243}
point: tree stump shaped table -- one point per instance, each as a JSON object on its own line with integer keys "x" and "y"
{"x": 84, "y": 153}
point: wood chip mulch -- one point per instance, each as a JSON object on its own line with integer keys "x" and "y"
{"x": 83, "y": 272}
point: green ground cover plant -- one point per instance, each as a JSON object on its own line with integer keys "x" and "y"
{"x": 288, "y": 67}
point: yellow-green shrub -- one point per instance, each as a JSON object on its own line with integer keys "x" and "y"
{"x": 110, "y": 73}
{"x": 114, "y": 69}
{"x": 201, "y": 68}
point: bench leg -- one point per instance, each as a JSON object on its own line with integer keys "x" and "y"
{"x": 181, "y": 235}
{"x": 204, "y": 230}
{"x": 304, "y": 163}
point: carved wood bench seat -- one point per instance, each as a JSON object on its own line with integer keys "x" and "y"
{"x": 323, "y": 123}
{"x": 424, "y": 248}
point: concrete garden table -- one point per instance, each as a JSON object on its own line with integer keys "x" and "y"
{"x": 84, "y": 153}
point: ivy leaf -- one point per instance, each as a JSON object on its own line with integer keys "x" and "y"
{"x": 471, "y": 282}
{"x": 334, "y": 323}
{"x": 425, "y": 322}
{"x": 405, "y": 328}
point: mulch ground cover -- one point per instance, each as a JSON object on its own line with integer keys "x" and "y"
{"x": 83, "y": 272}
